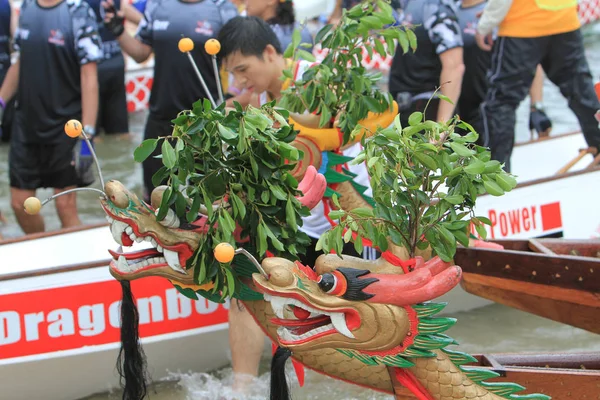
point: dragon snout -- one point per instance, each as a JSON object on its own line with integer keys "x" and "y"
{"x": 117, "y": 193}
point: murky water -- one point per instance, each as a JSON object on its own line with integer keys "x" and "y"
{"x": 491, "y": 329}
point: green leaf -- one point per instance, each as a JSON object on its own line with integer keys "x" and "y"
{"x": 226, "y": 133}
{"x": 290, "y": 214}
{"x": 454, "y": 199}
{"x": 506, "y": 182}
{"x": 262, "y": 239}
{"x": 461, "y": 150}
{"x": 305, "y": 55}
{"x": 164, "y": 204}
{"x": 476, "y": 167}
{"x": 415, "y": 118}
{"x": 169, "y": 157}
{"x": 444, "y": 98}
{"x": 239, "y": 205}
{"x": 493, "y": 188}
{"x": 207, "y": 203}
{"x": 403, "y": 40}
{"x": 322, "y": 33}
{"x": 144, "y": 150}
{"x": 412, "y": 39}
{"x": 426, "y": 160}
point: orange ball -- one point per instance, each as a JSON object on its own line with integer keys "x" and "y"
{"x": 186, "y": 45}
{"x": 212, "y": 47}
{"x": 73, "y": 128}
{"x": 32, "y": 205}
{"x": 224, "y": 253}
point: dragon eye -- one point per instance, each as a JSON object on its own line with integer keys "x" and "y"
{"x": 333, "y": 283}
{"x": 327, "y": 282}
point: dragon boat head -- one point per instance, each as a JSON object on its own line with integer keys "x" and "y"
{"x": 173, "y": 242}
{"x": 351, "y": 303}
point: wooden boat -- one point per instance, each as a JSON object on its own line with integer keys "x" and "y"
{"x": 59, "y": 319}
{"x": 560, "y": 376}
{"x": 553, "y": 278}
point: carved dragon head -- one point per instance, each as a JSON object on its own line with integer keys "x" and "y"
{"x": 350, "y": 303}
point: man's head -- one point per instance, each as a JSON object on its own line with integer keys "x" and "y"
{"x": 251, "y": 51}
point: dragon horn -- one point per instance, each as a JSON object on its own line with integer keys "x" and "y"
{"x": 425, "y": 283}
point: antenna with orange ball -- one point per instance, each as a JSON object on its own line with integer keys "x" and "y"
{"x": 186, "y": 45}
{"x": 224, "y": 253}
{"x": 212, "y": 47}
{"x": 73, "y": 129}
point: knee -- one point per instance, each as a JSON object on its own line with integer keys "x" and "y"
{"x": 66, "y": 203}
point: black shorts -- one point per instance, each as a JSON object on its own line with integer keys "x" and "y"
{"x": 39, "y": 165}
{"x": 112, "y": 110}
{"x": 311, "y": 255}
{"x": 154, "y": 128}
{"x": 7, "y": 120}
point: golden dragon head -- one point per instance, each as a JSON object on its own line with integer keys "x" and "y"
{"x": 350, "y": 303}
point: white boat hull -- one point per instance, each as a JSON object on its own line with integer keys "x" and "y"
{"x": 59, "y": 333}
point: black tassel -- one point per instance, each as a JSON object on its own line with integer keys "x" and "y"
{"x": 131, "y": 363}
{"x": 279, "y": 386}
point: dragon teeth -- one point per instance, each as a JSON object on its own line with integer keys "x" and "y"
{"x": 116, "y": 229}
{"x": 339, "y": 323}
{"x": 338, "y": 319}
{"x": 278, "y": 304}
{"x": 173, "y": 260}
{"x": 128, "y": 230}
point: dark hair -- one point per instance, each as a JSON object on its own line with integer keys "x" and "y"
{"x": 284, "y": 14}
{"x": 249, "y": 35}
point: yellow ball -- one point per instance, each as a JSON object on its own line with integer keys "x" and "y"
{"x": 32, "y": 205}
{"x": 186, "y": 45}
{"x": 73, "y": 128}
{"x": 224, "y": 253}
{"x": 212, "y": 47}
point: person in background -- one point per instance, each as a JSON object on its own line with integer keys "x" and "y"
{"x": 8, "y": 24}
{"x": 531, "y": 33}
{"x": 475, "y": 84}
{"x": 251, "y": 51}
{"x": 279, "y": 14}
{"x": 175, "y": 85}
{"x": 437, "y": 62}
{"x": 112, "y": 112}
{"x": 55, "y": 79}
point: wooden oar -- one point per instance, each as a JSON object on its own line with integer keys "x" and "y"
{"x": 594, "y": 162}
{"x": 535, "y": 245}
{"x": 582, "y": 153}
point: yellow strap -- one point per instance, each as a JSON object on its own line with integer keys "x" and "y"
{"x": 555, "y": 5}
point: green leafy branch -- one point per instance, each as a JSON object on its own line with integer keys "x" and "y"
{"x": 340, "y": 88}
{"x": 235, "y": 168}
{"x": 426, "y": 178}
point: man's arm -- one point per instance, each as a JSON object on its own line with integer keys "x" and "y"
{"x": 493, "y": 14}
{"x": 132, "y": 14}
{"x": 445, "y": 34}
{"x": 89, "y": 94}
{"x": 11, "y": 82}
{"x": 450, "y": 81}
{"x": 114, "y": 21}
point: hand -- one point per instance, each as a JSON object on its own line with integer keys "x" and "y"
{"x": 114, "y": 20}
{"x": 83, "y": 162}
{"x": 484, "y": 42}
